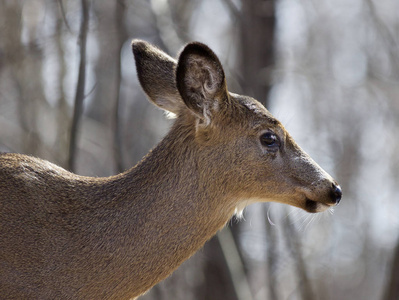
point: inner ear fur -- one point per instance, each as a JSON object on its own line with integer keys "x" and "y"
{"x": 156, "y": 73}
{"x": 200, "y": 80}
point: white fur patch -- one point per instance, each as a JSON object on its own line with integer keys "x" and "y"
{"x": 169, "y": 115}
{"x": 239, "y": 209}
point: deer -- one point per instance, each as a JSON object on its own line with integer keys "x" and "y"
{"x": 66, "y": 236}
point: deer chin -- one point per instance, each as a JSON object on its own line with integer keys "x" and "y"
{"x": 312, "y": 206}
{"x": 309, "y": 205}
{"x": 305, "y": 203}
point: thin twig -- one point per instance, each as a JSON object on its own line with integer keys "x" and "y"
{"x": 234, "y": 264}
{"x": 293, "y": 244}
{"x": 388, "y": 38}
{"x": 122, "y": 34}
{"x": 165, "y": 25}
{"x": 234, "y": 11}
{"x": 271, "y": 257}
{"x": 64, "y": 16}
{"x": 79, "y": 96}
{"x": 392, "y": 287}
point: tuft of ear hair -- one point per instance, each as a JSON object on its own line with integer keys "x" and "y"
{"x": 200, "y": 80}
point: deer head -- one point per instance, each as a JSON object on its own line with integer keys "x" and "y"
{"x": 245, "y": 152}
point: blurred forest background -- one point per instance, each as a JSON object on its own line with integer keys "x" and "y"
{"x": 328, "y": 69}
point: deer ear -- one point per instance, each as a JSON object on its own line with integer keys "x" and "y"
{"x": 200, "y": 80}
{"x": 156, "y": 73}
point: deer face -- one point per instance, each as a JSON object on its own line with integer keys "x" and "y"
{"x": 244, "y": 149}
{"x": 260, "y": 161}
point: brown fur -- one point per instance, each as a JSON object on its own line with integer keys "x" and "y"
{"x": 64, "y": 236}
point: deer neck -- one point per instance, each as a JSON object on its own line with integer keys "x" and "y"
{"x": 172, "y": 211}
{"x": 170, "y": 183}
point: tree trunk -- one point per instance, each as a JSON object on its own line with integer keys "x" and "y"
{"x": 257, "y": 47}
{"x": 392, "y": 289}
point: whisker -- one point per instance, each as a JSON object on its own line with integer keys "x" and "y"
{"x": 268, "y": 217}
{"x": 293, "y": 213}
{"x": 298, "y": 220}
{"x": 302, "y": 227}
{"x": 308, "y": 223}
{"x": 314, "y": 217}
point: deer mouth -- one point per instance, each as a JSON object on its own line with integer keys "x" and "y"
{"x": 315, "y": 206}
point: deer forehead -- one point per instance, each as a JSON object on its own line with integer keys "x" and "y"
{"x": 258, "y": 114}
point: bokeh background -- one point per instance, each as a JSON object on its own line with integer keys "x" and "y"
{"x": 328, "y": 69}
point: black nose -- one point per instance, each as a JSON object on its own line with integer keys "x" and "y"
{"x": 336, "y": 193}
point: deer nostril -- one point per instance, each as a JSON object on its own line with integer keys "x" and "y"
{"x": 336, "y": 193}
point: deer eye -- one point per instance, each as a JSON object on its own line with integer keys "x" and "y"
{"x": 269, "y": 139}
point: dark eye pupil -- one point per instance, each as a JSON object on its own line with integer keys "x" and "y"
{"x": 268, "y": 139}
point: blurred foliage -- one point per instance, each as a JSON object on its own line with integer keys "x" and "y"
{"x": 328, "y": 69}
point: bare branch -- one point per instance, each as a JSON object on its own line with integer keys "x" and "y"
{"x": 233, "y": 10}
{"x": 272, "y": 257}
{"x": 79, "y": 96}
{"x": 390, "y": 40}
{"x": 64, "y": 16}
{"x": 122, "y": 34}
{"x": 234, "y": 264}
{"x": 166, "y": 28}
{"x": 293, "y": 244}
{"x": 392, "y": 288}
